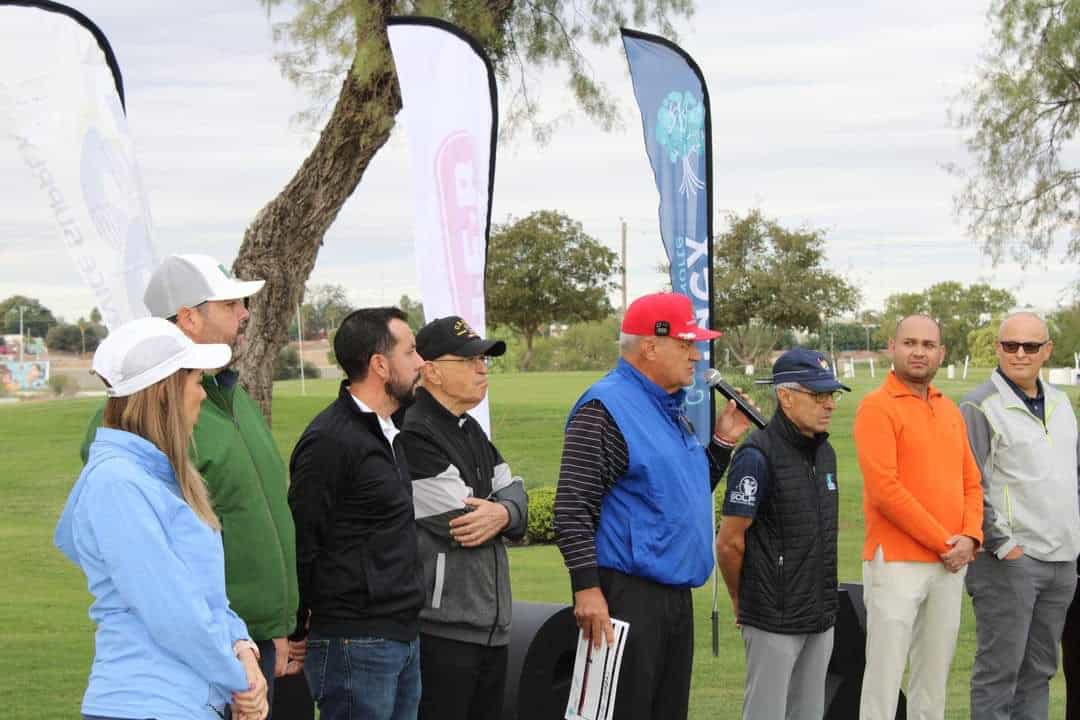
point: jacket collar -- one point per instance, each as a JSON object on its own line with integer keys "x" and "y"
{"x": 671, "y": 403}
{"x": 227, "y": 379}
{"x": 348, "y": 403}
{"x": 787, "y": 430}
{"x": 896, "y": 387}
{"x": 144, "y": 452}
{"x": 223, "y": 384}
{"x": 1011, "y": 393}
{"x": 428, "y": 406}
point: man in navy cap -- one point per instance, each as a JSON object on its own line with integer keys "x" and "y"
{"x": 776, "y": 547}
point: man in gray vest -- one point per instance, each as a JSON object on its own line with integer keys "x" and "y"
{"x": 776, "y": 547}
{"x": 1023, "y": 434}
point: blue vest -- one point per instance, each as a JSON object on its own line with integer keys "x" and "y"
{"x": 656, "y": 520}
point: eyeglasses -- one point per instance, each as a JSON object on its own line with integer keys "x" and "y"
{"x": 475, "y": 361}
{"x": 1030, "y": 348}
{"x": 820, "y": 397}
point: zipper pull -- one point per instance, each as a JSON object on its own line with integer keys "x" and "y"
{"x": 781, "y": 561}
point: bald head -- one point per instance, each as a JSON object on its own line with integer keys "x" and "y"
{"x": 920, "y": 323}
{"x": 917, "y": 351}
{"x": 1028, "y": 324}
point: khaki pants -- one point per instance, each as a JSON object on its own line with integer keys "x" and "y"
{"x": 912, "y": 615}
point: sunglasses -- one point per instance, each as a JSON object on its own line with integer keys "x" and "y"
{"x": 1030, "y": 348}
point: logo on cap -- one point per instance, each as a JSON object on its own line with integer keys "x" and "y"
{"x": 225, "y": 271}
{"x": 461, "y": 328}
{"x": 662, "y": 328}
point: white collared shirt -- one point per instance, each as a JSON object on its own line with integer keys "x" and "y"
{"x": 389, "y": 430}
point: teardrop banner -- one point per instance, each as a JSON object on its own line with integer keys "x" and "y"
{"x": 450, "y": 107}
{"x": 62, "y": 105}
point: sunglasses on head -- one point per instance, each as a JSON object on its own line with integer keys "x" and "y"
{"x": 1030, "y": 348}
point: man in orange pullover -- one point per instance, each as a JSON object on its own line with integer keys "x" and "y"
{"x": 922, "y": 501}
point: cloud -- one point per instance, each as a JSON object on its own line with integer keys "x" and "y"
{"x": 830, "y": 115}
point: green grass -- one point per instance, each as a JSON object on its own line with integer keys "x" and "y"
{"x": 43, "y": 600}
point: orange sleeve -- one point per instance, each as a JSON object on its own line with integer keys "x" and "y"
{"x": 973, "y": 497}
{"x": 875, "y": 445}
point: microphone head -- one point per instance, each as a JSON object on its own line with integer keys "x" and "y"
{"x": 711, "y": 377}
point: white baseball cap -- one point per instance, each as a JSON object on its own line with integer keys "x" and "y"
{"x": 190, "y": 280}
{"x": 145, "y": 351}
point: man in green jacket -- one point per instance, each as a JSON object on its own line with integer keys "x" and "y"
{"x": 236, "y": 455}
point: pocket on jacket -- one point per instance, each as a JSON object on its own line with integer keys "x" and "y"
{"x": 440, "y": 579}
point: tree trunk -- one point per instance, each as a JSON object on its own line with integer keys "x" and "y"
{"x": 527, "y": 357}
{"x": 281, "y": 244}
{"x": 751, "y": 345}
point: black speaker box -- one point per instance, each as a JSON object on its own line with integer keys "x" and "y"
{"x": 843, "y": 683}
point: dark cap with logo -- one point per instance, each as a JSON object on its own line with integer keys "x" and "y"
{"x": 453, "y": 336}
{"x": 806, "y": 367}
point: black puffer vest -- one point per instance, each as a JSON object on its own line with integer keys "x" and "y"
{"x": 788, "y": 581}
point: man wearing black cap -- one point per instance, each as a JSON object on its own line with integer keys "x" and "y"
{"x": 466, "y": 502}
{"x": 776, "y": 547}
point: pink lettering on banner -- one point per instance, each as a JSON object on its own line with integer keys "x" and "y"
{"x": 463, "y": 207}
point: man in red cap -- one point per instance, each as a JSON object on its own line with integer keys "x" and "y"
{"x": 633, "y": 510}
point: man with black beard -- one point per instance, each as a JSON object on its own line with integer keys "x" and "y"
{"x": 357, "y": 560}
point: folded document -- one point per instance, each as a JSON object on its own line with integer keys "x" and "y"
{"x": 596, "y": 675}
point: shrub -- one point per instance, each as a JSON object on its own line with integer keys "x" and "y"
{"x": 287, "y": 365}
{"x": 69, "y": 338}
{"x": 582, "y": 346}
{"x": 63, "y": 385}
{"x": 541, "y": 516}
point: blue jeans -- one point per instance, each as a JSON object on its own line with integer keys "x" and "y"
{"x": 363, "y": 678}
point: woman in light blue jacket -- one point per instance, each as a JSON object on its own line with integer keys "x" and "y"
{"x": 140, "y": 524}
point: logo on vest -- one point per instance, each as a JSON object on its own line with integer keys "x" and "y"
{"x": 745, "y": 492}
{"x": 829, "y": 484}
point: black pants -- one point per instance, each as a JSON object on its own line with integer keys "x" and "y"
{"x": 461, "y": 681}
{"x": 654, "y": 680}
{"x": 1070, "y": 658}
{"x": 292, "y": 701}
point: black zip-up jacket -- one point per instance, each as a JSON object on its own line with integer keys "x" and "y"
{"x": 467, "y": 590}
{"x": 788, "y": 581}
{"x": 356, "y": 553}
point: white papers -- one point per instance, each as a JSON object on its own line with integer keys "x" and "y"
{"x": 596, "y": 675}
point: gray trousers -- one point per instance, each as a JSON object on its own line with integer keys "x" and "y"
{"x": 785, "y": 675}
{"x": 1020, "y": 608}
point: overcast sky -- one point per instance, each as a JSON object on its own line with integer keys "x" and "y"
{"x": 829, "y": 114}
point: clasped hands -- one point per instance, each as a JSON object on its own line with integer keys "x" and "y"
{"x": 252, "y": 703}
{"x": 961, "y": 552}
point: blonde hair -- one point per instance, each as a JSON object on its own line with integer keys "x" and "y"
{"x": 156, "y": 414}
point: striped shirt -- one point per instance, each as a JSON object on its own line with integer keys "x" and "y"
{"x": 594, "y": 457}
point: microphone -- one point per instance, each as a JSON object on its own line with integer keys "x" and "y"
{"x": 714, "y": 380}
